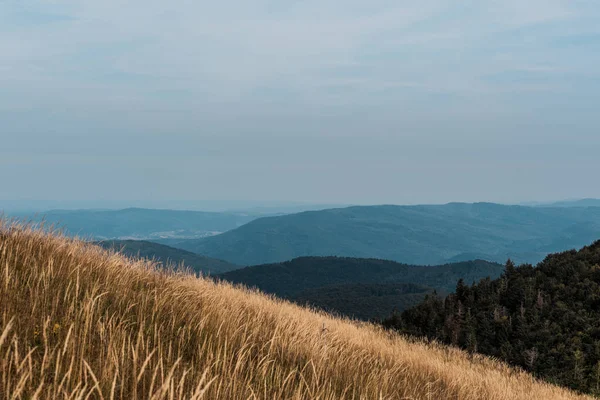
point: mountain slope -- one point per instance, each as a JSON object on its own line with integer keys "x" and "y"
{"x": 544, "y": 319}
{"x": 365, "y": 301}
{"x": 139, "y": 223}
{"x": 169, "y": 255}
{"x": 79, "y": 322}
{"x": 292, "y": 277}
{"x": 358, "y": 288}
{"x": 410, "y": 234}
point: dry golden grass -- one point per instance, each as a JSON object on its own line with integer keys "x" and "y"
{"x": 80, "y": 322}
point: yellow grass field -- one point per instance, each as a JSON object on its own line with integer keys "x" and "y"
{"x": 79, "y": 322}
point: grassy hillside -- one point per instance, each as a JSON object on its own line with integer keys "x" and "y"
{"x": 544, "y": 319}
{"x": 79, "y": 322}
{"x": 169, "y": 255}
{"x": 410, "y": 234}
{"x": 139, "y": 223}
{"x": 356, "y": 287}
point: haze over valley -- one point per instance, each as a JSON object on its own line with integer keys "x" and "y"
{"x": 427, "y": 234}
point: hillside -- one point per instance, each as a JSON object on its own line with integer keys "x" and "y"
{"x": 362, "y": 288}
{"x": 79, "y": 322}
{"x": 364, "y": 301}
{"x": 291, "y": 277}
{"x": 410, "y": 234}
{"x": 169, "y": 255}
{"x": 544, "y": 319}
{"x": 139, "y": 223}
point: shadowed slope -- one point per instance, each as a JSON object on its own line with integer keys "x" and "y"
{"x": 358, "y": 287}
{"x": 289, "y": 278}
{"x": 364, "y": 301}
{"x": 77, "y": 321}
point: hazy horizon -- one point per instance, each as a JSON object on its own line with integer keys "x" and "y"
{"x": 19, "y": 206}
{"x": 330, "y": 102}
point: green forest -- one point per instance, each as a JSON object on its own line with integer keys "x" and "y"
{"x": 357, "y": 287}
{"x": 545, "y": 319}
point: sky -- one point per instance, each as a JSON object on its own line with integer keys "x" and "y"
{"x": 329, "y": 101}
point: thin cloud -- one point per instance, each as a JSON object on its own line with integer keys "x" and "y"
{"x": 279, "y": 83}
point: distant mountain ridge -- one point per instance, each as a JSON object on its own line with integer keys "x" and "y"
{"x": 576, "y": 203}
{"x": 429, "y": 234}
{"x": 139, "y": 223}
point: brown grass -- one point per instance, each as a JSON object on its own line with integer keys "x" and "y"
{"x": 80, "y": 322}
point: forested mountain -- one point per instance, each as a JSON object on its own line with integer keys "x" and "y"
{"x": 139, "y": 223}
{"x": 423, "y": 235}
{"x": 366, "y": 301}
{"x": 362, "y": 288}
{"x": 166, "y": 255}
{"x": 545, "y": 319}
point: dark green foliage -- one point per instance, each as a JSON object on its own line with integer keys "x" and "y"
{"x": 544, "y": 319}
{"x": 363, "y": 288}
{"x": 364, "y": 301}
{"x": 166, "y": 254}
{"x": 422, "y": 235}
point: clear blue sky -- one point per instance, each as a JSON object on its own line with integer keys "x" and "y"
{"x": 319, "y": 101}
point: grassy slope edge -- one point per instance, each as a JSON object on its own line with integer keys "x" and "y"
{"x": 77, "y": 321}
{"x": 166, "y": 255}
